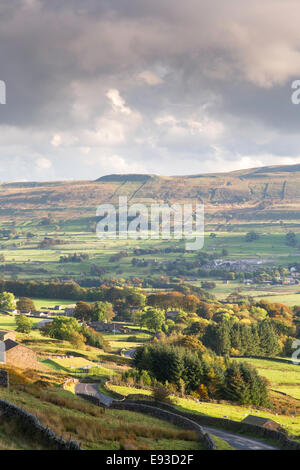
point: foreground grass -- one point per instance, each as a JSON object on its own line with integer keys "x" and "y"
{"x": 13, "y": 438}
{"x": 96, "y": 428}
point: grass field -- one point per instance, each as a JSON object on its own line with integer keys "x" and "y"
{"x": 36, "y": 263}
{"x": 221, "y": 410}
{"x": 119, "y": 341}
{"x": 7, "y": 322}
{"x": 282, "y": 377}
{"x": 24, "y": 259}
{"x": 50, "y": 303}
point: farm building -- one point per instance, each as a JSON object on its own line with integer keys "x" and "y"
{"x": 69, "y": 311}
{"x": 105, "y": 327}
{"x": 42, "y": 324}
{"x": 262, "y": 422}
{"x": 171, "y": 314}
{"x": 15, "y": 354}
{"x": 4, "y": 335}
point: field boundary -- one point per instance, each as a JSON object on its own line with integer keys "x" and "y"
{"x": 31, "y": 424}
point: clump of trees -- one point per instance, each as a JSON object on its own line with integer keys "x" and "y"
{"x": 225, "y": 338}
{"x": 202, "y": 374}
{"x": 74, "y": 258}
{"x": 48, "y": 242}
{"x": 69, "y": 329}
{"x": 290, "y": 239}
{"x": 251, "y": 236}
{"x": 98, "y": 311}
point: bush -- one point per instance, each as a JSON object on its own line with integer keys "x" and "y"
{"x": 161, "y": 393}
{"x": 24, "y": 324}
{"x": 132, "y": 339}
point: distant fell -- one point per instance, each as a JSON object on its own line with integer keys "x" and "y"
{"x": 264, "y": 194}
{"x": 126, "y": 177}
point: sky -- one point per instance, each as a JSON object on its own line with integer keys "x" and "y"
{"x": 167, "y": 87}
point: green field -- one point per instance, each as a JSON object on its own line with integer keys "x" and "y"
{"x": 218, "y": 410}
{"x": 282, "y": 377}
{"x": 119, "y": 341}
{"x": 7, "y": 322}
{"x": 24, "y": 259}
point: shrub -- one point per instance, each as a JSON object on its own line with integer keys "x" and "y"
{"x": 161, "y": 392}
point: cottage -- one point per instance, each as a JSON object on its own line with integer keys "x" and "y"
{"x": 15, "y": 354}
{"x": 69, "y": 311}
{"x": 262, "y": 422}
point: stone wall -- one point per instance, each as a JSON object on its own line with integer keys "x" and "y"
{"x": 31, "y": 426}
{"x": 4, "y": 378}
{"x": 21, "y": 357}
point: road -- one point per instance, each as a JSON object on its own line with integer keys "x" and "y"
{"x": 93, "y": 391}
{"x": 239, "y": 442}
{"x": 236, "y": 441}
{"x": 129, "y": 353}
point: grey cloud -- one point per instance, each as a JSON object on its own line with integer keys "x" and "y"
{"x": 217, "y": 63}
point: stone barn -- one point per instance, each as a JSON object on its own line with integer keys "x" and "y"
{"x": 4, "y": 335}
{"x": 17, "y": 355}
{"x": 262, "y": 422}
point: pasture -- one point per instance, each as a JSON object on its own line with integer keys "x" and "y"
{"x": 222, "y": 410}
{"x": 282, "y": 377}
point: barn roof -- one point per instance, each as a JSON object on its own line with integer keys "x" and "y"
{"x": 10, "y": 344}
{"x": 257, "y": 420}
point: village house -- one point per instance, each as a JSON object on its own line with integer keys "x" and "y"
{"x": 15, "y": 354}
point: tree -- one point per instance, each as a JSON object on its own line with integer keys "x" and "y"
{"x": 83, "y": 311}
{"x": 244, "y": 385}
{"x": 208, "y": 284}
{"x": 161, "y": 393}
{"x": 290, "y": 239}
{"x": 217, "y": 337}
{"x": 77, "y": 340}
{"x": 102, "y": 311}
{"x": 25, "y": 304}
{"x": 153, "y": 318}
{"x": 251, "y": 236}
{"x": 62, "y": 328}
{"x": 269, "y": 343}
{"x": 7, "y": 300}
{"x": 24, "y": 324}
{"x": 235, "y": 386}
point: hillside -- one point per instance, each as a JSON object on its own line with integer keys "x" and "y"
{"x": 260, "y": 194}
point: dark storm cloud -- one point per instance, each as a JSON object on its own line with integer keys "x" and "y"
{"x": 100, "y": 86}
